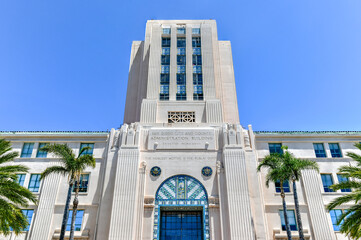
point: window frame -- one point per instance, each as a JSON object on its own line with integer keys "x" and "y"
{"x": 19, "y": 179}
{"x": 335, "y": 224}
{"x": 333, "y": 154}
{"x": 293, "y": 227}
{"x": 86, "y": 152}
{"x": 69, "y": 219}
{"x": 269, "y": 147}
{"x": 318, "y": 154}
{"x": 41, "y": 152}
{"x": 27, "y": 154}
{"x": 278, "y": 186}
{"x": 39, "y": 187}
{"x": 87, "y": 187}
{"x": 323, "y": 184}
{"x": 346, "y": 190}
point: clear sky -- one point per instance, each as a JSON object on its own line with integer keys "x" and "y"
{"x": 64, "y": 63}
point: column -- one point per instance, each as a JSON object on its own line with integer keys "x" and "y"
{"x": 43, "y": 216}
{"x": 239, "y": 206}
{"x": 124, "y": 204}
{"x": 316, "y": 208}
{"x": 140, "y": 201}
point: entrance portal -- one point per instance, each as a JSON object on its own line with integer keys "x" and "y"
{"x": 181, "y": 210}
{"x": 181, "y": 225}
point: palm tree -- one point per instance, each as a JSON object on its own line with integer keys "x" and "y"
{"x": 350, "y": 220}
{"x": 295, "y": 166}
{"x": 72, "y": 167}
{"x": 13, "y": 197}
{"x": 277, "y": 172}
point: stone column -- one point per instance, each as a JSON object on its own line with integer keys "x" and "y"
{"x": 125, "y": 193}
{"x": 316, "y": 208}
{"x": 140, "y": 201}
{"x": 238, "y": 195}
{"x": 43, "y": 216}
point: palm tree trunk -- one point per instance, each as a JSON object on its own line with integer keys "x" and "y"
{"x": 66, "y": 212}
{"x": 75, "y": 209}
{"x": 298, "y": 214}
{"x": 288, "y": 229}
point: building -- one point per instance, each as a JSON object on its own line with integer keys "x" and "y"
{"x": 181, "y": 165}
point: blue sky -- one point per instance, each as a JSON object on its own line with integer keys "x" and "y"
{"x": 64, "y": 64}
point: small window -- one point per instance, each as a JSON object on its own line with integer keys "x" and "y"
{"x": 163, "y": 96}
{"x": 181, "y": 60}
{"x": 197, "y": 60}
{"x": 197, "y": 79}
{"x": 196, "y": 42}
{"x": 335, "y": 217}
{"x": 166, "y": 51}
{"x": 181, "y": 79}
{"x": 164, "y": 78}
{"x": 319, "y": 150}
{"x": 335, "y": 150}
{"x": 83, "y": 184}
{"x": 34, "y": 184}
{"x": 165, "y": 42}
{"x": 181, "y": 97}
{"x": 27, "y": 150}
{"x": 165, "y": 59}
{"x": 29, "y": 216}
{"x": 89, "y": 151}
{"x": 181, "y": 89}
{"x": 198, "y": 89}
{"x": 166, "y": 31}
{"x": 197, "y": 69}
{"x": 164, "y": 89}
{"x": 181, "y": 42}
{"x": 327, "y": 181}
{"x": 177, "y": 117}
{"x": 181, "y": 69}
{"x": 198, "y": 96}
{"x": 165, "y": 69}
{"x": 78, "y": 220}
{"x": 197, "y": 51}
{"x": 275, "y": 148}
{"x": 286, "y": 186}
{"x": 40, "y": 153}
{"x": 181, "y": 51}
{"x": 21, "y": 179}
{"x": 181, "y": 30}
{"x": 196, "y": 31}
{"x": 342, "y": 178}
{"x": 291, "y": 220}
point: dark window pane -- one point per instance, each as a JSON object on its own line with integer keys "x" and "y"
{"x": 327, "y": 182}
{"x": 275, "y": 148}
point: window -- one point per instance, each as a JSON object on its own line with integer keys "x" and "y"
{"x": 335, "y": 150}
{"x": 291, "y": 220}
{"x": 181, "y": 30}
{"x": 21, "y": 179}
{"x": 181, "y": 42}
{"x": 164, "y": 69}
{"x": 275, "y": 148}
{"x": 181, "y": 78}
{"x": 41, "y": 154}
{"x": 164, "y": 78}
{"x": 181, "y": 69}
{"x": 196, "y": 42}
{"x": 181, "y": 60}
{"x": 166, "y": 30}
{"x": 198, "y": 89}
{"x": 197, "y": 60}
{"x": 89, "y": 151}
{"x": 165, "y": 42}
{"x": 165, "y": 59}
{"x": 197, "y": 79}
{"x": 83, "y": 184}
{"x": 166, "y": 51}
{"x": 34, "y": 183}
{"x": 196, "y": 31}
{"x": 197, "y": 51}
{"x": 181, "y": 51}
{"x": 342, "y": 178}
{"x": 29, "y": 215}
{"x": 197, "y": 69}
{"x": 335, "y": 216}
{"x": 319, "y": 150}
{"x": 181, "y": 92}
{"x": 78, "y": 220}
{"x": 286, "y": 186}
{"x": 177, "y": 117}
{"x": 27, "y": 150}
{"x": 327, "y": 182}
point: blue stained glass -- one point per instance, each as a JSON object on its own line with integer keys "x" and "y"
{"x": 27, "y": 150}
{"x": 197, "y": 69}
{"x": 41, "y": 154}
{"x": 335, "y": 216}
{"x": 21, "y": 179}
{"x": 335, "y": 150}
{"x": 34, "y": 183}
{"x": 164, "y": 69}
{"x": 291, "y": 220}
{"x": 342, "y": 178}
{"x": 78, "y": 220}
{"x": 327, "y": 182}
{"x": 89, "y": 151}
{"x": 181, "y": 69}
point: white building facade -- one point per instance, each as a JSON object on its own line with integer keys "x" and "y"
{"x": 181, "y": 166}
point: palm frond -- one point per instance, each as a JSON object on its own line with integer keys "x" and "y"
{"x": 54, "y": 169}
{"x": 345, "y": 185}
{"x": 8, "y": 157}
{"x": 83, "y": 150}
{"x": 14, "y": 169}
{"x": 342, "y": 200}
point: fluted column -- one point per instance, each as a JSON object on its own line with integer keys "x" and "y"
{"x": 316, "y": 208}
{"x": 238, "y": 195}
{"x": 125, "y": 193}
{"x": 41, "y": 227}
{"x": 140, "y": 201}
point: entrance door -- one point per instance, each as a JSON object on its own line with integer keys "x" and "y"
{"x": 181, "y": 225}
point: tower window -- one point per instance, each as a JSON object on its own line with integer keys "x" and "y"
{"x": 165, "y": 42}
{"x": 181, "y": 42}
{"x": 181, "y": 30}
{"x": 166, "y": 30}
{"x": 196, "y": 42}
{"x": 196, "y": 31}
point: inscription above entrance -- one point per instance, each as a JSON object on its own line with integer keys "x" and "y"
{"x": 181, "y": 139}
